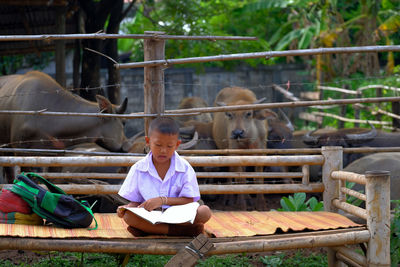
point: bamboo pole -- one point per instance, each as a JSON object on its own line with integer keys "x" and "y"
{"x": 349, "y": 176}
{"x": 47, "y": 37}
{"x": 352, "y": 255}
{"x": 191, "y": 111}
{"x": 354, "y": 210}
{"x": 153, "y": 85}
{"x": 353, "y": 193}
{"x": 305, "y": 179}
{"x": 171, "y": 247}
{"x": 212, "y": 161}
{"x": 333, "y": 161}
{"x": 286, "y": 105}
{"x": 205, "y": 189}
{"x": 211, "y": 151}
{"x": 378, "y": 217}
{"x": 199, "y": 175}
{"x": 290, "y": 243}
{"x": 267, "y": 55}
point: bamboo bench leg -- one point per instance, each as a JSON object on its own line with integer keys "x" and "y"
{"x": 188, "y": 256}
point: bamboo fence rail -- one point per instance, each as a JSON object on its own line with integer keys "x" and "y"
{"x": 102, "y": 36}
{"x": 172, "y": 246}
{"x": 267, "y": 55}
{"x": 205, "y": 189}
{"x": 356, "y": 211}
{"x": 209, "y": 152}
{"x": 349, "y": 176}
{"x": 212, "y": 161}
{"x": 191, "y": 111}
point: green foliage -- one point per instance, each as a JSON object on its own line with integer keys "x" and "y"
{"x": 298, "y": 202}
{"x": 395, "y": 235}
{"x": 353, "y": 200}
{"x": 226, "y": 260}
{"x": 353, "y": 83}
{"x": 299, "y": 259}
{"x": 10, "y": 64}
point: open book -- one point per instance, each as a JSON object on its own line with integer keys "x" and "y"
{"x": 174, "y": 214}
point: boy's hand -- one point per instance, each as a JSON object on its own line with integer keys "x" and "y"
{"x": 151, "y": 204}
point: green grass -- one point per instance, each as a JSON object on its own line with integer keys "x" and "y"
{"x": 61, "y": 259}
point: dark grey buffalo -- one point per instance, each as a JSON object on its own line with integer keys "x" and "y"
{"x": 388, "y": 161}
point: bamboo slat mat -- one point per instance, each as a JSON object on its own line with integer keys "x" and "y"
{"x": 222, "y": 224}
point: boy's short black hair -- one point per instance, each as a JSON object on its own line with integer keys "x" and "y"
{"x": 164, "y": 125}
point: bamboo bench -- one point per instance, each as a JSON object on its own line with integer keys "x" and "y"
{"x": 375, "y": 234}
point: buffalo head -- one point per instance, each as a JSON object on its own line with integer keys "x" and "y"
{"x": 341, "y": 137}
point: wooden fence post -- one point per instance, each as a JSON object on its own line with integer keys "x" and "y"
{"x": 154, "y": 99}
{"x": 378, "y": 220}
{"x": 333, "y": 162}
{"x": 60, "y": 46}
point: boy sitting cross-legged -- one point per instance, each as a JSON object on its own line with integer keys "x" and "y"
{"x": 160, "y": 180}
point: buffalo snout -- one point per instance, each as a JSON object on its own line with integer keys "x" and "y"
{"x": 237, "y": 133}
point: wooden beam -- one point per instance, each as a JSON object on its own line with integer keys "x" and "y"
{"x": 154, "y": 96}
{"x": 188, "y": 256}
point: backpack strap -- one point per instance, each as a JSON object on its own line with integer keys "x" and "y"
{"x": 52, "y": 188}
{"x": 90, "y": 211}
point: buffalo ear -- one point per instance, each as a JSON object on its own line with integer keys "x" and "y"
{"x": 104, "y": 104}
{"x": 263, "y": 114}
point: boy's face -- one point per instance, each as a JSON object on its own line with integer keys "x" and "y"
{"x": 162, "y": 146}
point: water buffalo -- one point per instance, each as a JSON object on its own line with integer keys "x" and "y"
{"x": 389, "y": 161}
{"x": 346, "y": 137}
{"x": 194, "y": 102}
{"x": 280, "y": 132}
{"x": 243, "y": 129}
{"x": 36, "y": 91}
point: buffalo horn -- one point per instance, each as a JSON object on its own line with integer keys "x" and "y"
{"x": 362, "y": 137}
{"x": 258, "y": 101}
{"x": 310, "y": 140}
{"x": 288, "y": 122}
{"x": 191, "y": 143}
{"x": 122, "y": 108}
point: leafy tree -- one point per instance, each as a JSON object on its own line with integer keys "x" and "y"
{"x": 100, "y": 15}
{"x": 279, "y": 25}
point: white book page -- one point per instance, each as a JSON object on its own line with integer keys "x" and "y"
{"x": 174, "y": 214}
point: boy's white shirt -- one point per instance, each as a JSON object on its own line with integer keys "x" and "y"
{"x": 143, "y": 182}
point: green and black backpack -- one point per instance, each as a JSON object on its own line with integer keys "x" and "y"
{"x": 53, "y": 205}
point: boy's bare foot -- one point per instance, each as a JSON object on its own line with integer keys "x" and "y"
{"x": 185, "y": 230}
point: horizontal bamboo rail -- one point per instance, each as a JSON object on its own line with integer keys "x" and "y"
{"x": 207, "y": 189}
{"x": 353, "y": 193}
{"x": 357, "y": 211}
{"x": 47, "y": 37}
{"x": 352, "y": 255}
{"x": 172, "y": 246}
{"x": 200, "y": 175}
{"x": 267, "y": 55}
{"x": 336, "y": 89}
{"x": 191, "y": 111}
{"x": 267, "y": 151}
{"x": 349, "y": 176}
{"x": 213, "y": 161}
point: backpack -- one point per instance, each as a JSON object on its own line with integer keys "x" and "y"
{"x": 53, "y": 204}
